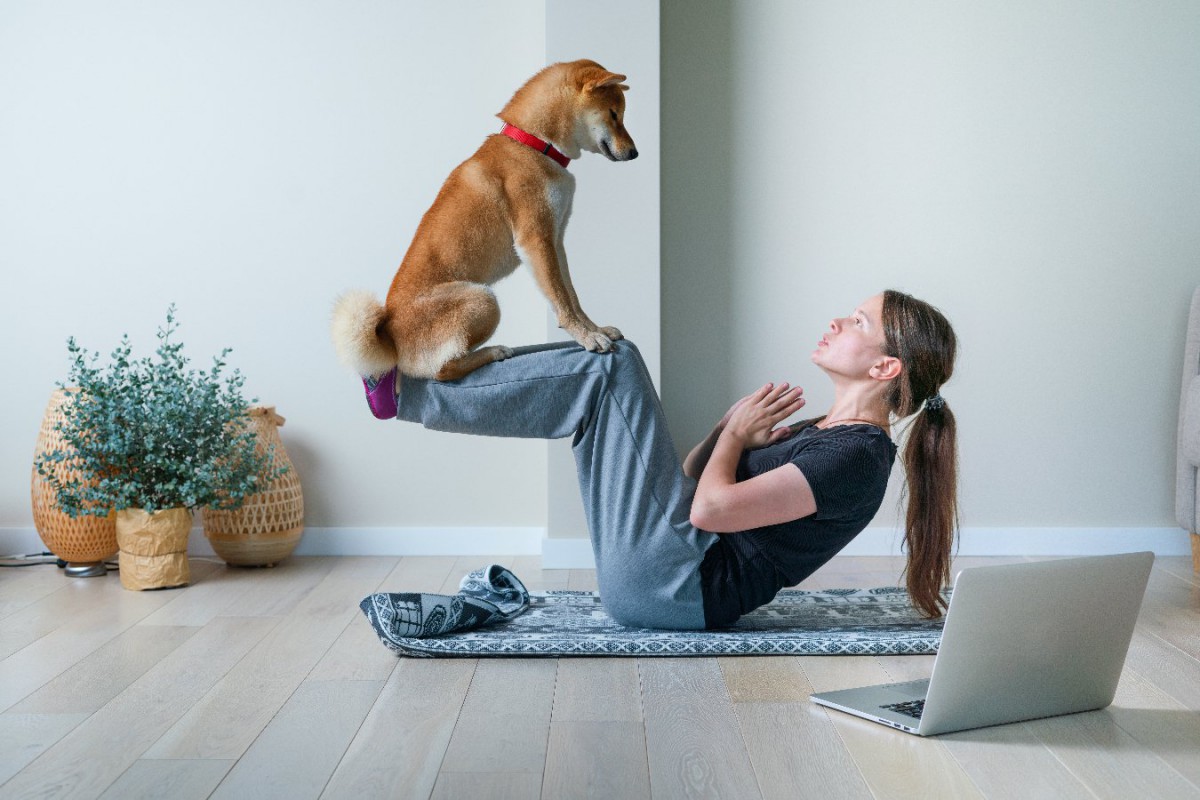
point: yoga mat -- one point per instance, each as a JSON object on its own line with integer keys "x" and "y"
{"x": 555, "y": 624}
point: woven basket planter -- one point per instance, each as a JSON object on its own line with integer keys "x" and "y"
{"x": 83, "y": 539}
{"x": 268, "y": 526}
{"x": 154, "y": 548}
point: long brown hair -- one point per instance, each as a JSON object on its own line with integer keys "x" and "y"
{"x": 921, "y": 338}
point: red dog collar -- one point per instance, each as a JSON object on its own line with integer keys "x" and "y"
{"x": 516, "y": 134}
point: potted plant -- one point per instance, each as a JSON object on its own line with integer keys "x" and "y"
{"x": 153, "y": 440}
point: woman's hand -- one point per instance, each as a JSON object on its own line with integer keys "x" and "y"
{"x": 725, "y": 419}
{"x": 722, "y": 504}
{"x": 751, "y": 421}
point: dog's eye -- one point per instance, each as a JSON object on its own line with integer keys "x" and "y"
{"x": 614, "y": 114}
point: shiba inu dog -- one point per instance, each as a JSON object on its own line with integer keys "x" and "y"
{"x": 506, "y": 204}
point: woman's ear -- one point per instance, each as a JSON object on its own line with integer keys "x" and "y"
{"x": 887, "y": 368}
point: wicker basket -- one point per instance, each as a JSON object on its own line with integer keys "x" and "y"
{"x": 80, "y": 539}
{"x": 268, "y": 526}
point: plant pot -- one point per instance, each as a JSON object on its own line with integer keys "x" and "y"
{"x": 81, "y": 541}
{"x": 268, "y": 526}
{"x": 154, "y": 548}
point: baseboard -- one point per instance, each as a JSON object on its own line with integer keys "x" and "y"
{"x": 577, "y": 553}
{"x": 420, "y": 541}
{"x": 356, "y": 541}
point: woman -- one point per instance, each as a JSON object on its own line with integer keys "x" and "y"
{"x": 755, "y": 507}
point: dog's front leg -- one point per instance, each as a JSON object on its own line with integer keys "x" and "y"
{"x": 608, "y": 330}
{"x": 541, "y": 253}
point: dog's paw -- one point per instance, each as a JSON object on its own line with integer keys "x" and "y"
{"x": 611, "y": 332}
{"x": 595, "y": 342}
{"x": 499, "y": 352}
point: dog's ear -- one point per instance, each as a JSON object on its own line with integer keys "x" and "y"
{"x": 606, "y": 79}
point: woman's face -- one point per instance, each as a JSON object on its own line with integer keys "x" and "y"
{"x": 854, "y": 344}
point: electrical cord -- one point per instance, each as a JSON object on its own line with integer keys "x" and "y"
{"x": 25, "y": 557}
{"x": 26, "y": 560}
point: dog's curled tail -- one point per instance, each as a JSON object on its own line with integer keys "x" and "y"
{"x": 359, "y": 335}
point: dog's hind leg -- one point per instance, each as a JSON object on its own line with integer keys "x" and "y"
{"x": 456, "y": 368}
{"x": 456, "y": 318}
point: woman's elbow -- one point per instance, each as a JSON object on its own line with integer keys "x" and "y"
{"x": 707, "y": 518}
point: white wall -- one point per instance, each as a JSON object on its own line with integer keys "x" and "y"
{"x": 613, "y": 240}
{"x": 1032, "y": 168}
{"x": 250, "y": 161}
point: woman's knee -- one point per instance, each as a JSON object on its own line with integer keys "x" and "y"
{"x": 626, "y": 360}
{"x": 627, "y": 352}
{"x": 628, "y": 614}
{"x": 635, "y": 609}
{"x": 627, "y": 345}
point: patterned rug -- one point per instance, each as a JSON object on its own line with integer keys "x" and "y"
{"x": 569, "y": 623}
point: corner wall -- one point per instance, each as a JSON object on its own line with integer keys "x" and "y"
{"x": 1031, "y": 168}
{"x": 250, "y": 162}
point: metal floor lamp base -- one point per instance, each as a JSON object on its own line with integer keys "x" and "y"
{"x": 84, "y": 569}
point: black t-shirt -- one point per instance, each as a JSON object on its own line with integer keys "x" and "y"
{"x": 847, "y": 467}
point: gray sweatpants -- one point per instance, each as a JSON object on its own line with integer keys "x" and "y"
{"x": 635, "y": 495}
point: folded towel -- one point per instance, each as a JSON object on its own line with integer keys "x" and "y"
{"x": 485, "y": 596}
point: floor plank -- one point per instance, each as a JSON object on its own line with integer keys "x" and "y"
{"x": 597, "y": 743}
{"x": 790, "y": 741}
{"x": 1171, "y": 611}
{"x": 246, "y": 592}
{"x": 93, "y": 615}
{"x": 88, "y": 759}
{"x": 105, "y": 673}
{"x": 504, "y": 723}
{"x": 298, "y": 751}
{"x": 893, "y": 764}
{"x": 1168, "y": 668}
{"x": 1179, "y": 566}
{"x": 24, "y": 586}
{"x": 24, "y": 737}
{"x": 1110, "y": 762}
{"x": 124, "y": 683}
{"x": 1011, "y": 761}
{"x": 58, "y": 608}
{"x": 187, "y": 779}
{"x": 693, "y": 740}
{"x": 230, "y": 716}
{"x": 582, "y": 580}
{"x": 600, "y": 760}
{"x": 358, "y": 655}
{"x": 494, "y": 785}
{"x": 1159, "y": 723}
{"x": 400, "y": 747}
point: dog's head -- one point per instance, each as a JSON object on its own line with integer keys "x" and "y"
{"x": 600, "y": 113}
{"x": 577, "y": 105}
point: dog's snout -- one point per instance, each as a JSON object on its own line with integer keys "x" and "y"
{"x": 633, "y": 154}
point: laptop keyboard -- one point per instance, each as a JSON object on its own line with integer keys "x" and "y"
{"x": 911, "y": 708}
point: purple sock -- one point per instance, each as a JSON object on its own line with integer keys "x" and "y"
{"x": 381, "y": 394}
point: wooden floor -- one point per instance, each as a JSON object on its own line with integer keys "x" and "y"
{"x": 269, "y": 683}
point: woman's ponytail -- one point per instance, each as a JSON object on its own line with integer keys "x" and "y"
{"x": 931, "y": 473}
{"x": 921, "y": 337}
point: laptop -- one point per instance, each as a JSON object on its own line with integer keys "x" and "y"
{"x": 1020, "y": 641}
